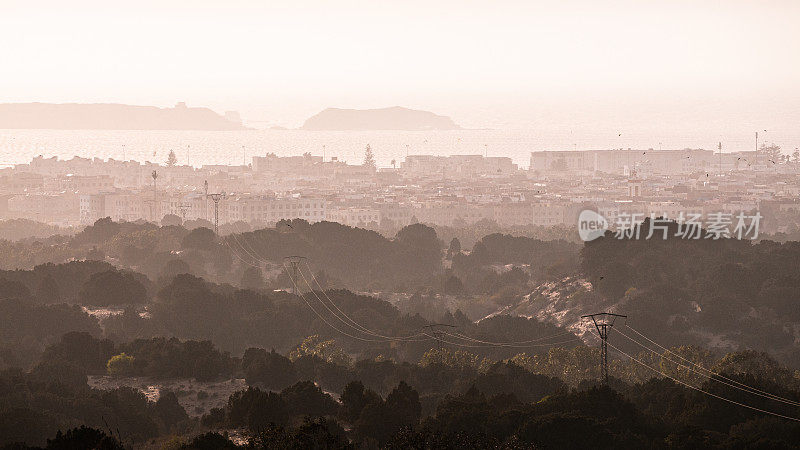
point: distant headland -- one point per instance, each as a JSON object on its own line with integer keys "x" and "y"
{"x": 111, "y": 116}
{"x": 394, "y": 118}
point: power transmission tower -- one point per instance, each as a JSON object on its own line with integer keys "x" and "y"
{"x": 295, "y": 262}
{"x": 603, "y": 322}
{"x": 216, "y": 197}
{"x": 183, "y": 207}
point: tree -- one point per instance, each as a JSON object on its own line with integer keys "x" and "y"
{"x": 84, "y": 437}
{"x": 419, "y": 236}
{"x": 171, "y": 220}
{"x": 112, "y": 287}
{"x": 81, "y": 349}
{"x": 304, "y": 398}
{"x": 95, "y": 254}
{"x": 256, "y": 409}
{"x": 121, "y": 364}
{"x": 173, "y": 268}
{"x": 48, "y": 291}
{"x": 172, "y": 159}
{"x": 272, "y": 370}
{"x": 200, "y": 238}
{"x": 169, "y": 410}
{"x": 772, "y": 153}
{"x": 354, "y": 398}
{"x": 326, "y": 350}
{"x": 454, "y": 249}
{"x": 252, "y": 278}
{"x": 403, "y": 401}
{"x": 369, "y": 159}
{"x": 211, "y": 441}
{"x": 453, "y": 285}
{"x": 13, "y": 289}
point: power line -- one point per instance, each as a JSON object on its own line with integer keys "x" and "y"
{"x": 248, "y": 244}
{"x": 295, "y": 262}
{"x": 704, "y": 391}
{"x": 238, "y": 256}
{"x": 323, "y": 318}
{"x": 549, "y": 344}
{"x": 353, "y": 324}
{"x": 512, "y": 343}
{"x": 295, "y": 288}
{"x": 455, "y": 335}
{"x": 339, "y": 318}
{"x": 459, "y": 344}
{"x": 710, "y": 374}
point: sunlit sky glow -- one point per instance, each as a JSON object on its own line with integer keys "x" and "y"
{"x": 486, "y": 63}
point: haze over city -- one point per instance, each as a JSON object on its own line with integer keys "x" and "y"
{"x": 726, "y": 69}
{"x": 399, "y": 225}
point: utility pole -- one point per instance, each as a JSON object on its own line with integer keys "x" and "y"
{"x": 205, "y": 188}
{"x": 183, "y": 207}
{"x": 216, "y": 197}
{"x": 603, "y": 322}
{"x": 295, "y": 263}
{"x": 155, "y": 195}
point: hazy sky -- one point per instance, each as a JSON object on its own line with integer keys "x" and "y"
{"x": 488, "y": 63}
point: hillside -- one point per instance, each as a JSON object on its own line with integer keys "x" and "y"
{"x": 394, "y": 118}
{"x": 108, "y": 116}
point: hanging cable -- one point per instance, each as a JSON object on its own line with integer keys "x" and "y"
{"x": 704, "y": 391}
{"x": 238, "y": 256}
{"x": 251, "y": 255}
{"x": 353, "y": 324}
{"x": 335, "y": 328}
{"x": 512, "y": 343}
{"x": 410, "y": 338}
{"x": 455, "y": 335}
{"x": 499, "y": 346}
{"x": 710, "y": 374}
{"x": 360, "y": 328}
{"x": 323, "y": 318}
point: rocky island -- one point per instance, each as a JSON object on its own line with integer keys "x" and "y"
{"x": 111, "y": 116}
